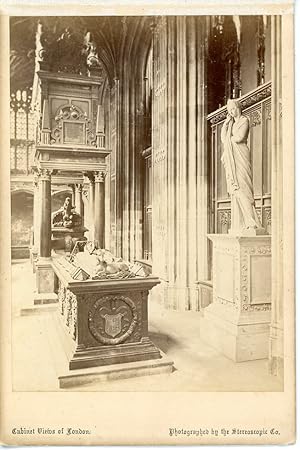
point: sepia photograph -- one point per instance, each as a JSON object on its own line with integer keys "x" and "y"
{"x": 151, "y": 209}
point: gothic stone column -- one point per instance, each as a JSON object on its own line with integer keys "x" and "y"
{"x": 44, "y": 271}
{"x": 100, "y": 208}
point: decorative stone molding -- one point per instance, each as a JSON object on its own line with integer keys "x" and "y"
{"x": 250, "y": 99}
{"x": 255, "y": 117}
{"x": 246, "y": 252}
{"x": 225, "y": 217}
{"x": 268, "y": 110}
{"x": 268, "y": 214}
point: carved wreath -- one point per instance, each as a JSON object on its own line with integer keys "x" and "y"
{"x": 100, "y": 307}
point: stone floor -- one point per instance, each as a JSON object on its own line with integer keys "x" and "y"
{"x": 198, "y": 367}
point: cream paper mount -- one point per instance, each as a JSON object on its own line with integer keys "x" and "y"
{"x": 119, "y": 107}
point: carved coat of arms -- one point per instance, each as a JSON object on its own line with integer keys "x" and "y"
{"x": 113, "y": 324}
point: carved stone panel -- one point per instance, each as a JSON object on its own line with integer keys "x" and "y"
{"x": 113, "y": 319}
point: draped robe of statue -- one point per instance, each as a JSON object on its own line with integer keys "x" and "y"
{"x": 236, "y": 161}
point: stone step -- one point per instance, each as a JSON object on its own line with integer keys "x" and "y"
{"x": 38, "y": 309}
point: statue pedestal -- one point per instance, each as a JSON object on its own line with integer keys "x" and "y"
{"x": 238, "y": 320}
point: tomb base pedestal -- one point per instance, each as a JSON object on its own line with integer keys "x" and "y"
{"x": 238, "y": 319}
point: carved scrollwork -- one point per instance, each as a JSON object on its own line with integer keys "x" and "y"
{"x": 268, "y": 215}
{"x": 255, "y": 117}
{"x": 70, "y": 312}
{"x": 225, "y": 217}
{"x": 261, "y": 307}
{"x": 68, "y": 114}
{"x": 61, "y": 294}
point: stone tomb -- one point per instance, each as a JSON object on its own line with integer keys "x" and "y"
{"x": 105, "y": 322}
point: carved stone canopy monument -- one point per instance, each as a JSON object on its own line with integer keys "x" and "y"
{"x": 67, "y": 227}
{"x": 238, "y": 318}
{"x": 68, "y": 87}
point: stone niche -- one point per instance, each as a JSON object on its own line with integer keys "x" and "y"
{"x": 104, "y": 321}
{"x": 67, "y": 227}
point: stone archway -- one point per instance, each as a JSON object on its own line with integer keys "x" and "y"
{"x": 58, "y": 198}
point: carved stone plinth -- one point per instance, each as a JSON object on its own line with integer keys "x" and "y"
{"x": 105, "y": 322}
{"x": 238, "y": 320}
{"x": 45, "y": 282}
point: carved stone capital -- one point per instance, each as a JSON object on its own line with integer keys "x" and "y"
{"x": 89, "y": 177}
{"x": 45, "y": 174}
{"x": 100, "y": 176}
{"x": 36, "y": 174}
{"x": 78, "y": 188}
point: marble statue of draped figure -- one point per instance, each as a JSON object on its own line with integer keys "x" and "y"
{"x": 237, "y": 165}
